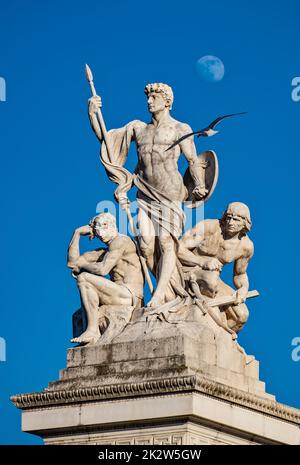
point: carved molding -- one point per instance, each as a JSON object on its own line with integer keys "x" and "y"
{"x": 49, "y": 398}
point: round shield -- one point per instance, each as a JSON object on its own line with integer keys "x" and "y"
{"x": 211, "y": 178}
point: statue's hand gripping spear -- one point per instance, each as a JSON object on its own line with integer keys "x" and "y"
{"x": 124, "y": 173}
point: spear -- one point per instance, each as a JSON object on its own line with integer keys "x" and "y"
{"x": 89, "y": 76}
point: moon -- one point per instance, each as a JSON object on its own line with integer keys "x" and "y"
{"x": 210, "y": 68}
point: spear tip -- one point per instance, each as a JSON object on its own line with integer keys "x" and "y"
{"x": 88, "y": 72}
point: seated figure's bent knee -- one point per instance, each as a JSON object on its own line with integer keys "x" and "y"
{"x": 82, "y": 278}
{"x": 211, "y": 283}
{"x": 241, "y": 316}
{"x": 243, "y": 313}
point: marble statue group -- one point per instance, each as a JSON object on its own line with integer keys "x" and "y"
{"x": 157, "y": 359}
{"x": 186, "y": 266}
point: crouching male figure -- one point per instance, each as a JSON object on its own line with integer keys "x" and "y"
{"x": 119, "y": 260}
{"x": 209, "y": 246}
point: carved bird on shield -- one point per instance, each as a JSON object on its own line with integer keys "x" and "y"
{"x": 206, "y": 132}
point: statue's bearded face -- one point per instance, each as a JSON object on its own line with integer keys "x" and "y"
{"x": 156, "y": 102}
{"x": 234, "y": 224}
{"x": 104, "y": 230}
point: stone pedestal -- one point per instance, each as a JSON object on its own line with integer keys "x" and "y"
{"x": 160, "y": 384}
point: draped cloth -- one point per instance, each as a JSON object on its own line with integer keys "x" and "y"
{"x": 165, "y": 214}
{"x": 119, "y": 143}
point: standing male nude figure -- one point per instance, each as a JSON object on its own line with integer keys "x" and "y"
{"x": 160, "y": 185}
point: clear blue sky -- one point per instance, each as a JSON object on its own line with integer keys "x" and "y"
{"x": 51, "y": 178}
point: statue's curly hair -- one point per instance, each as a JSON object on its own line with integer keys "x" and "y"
{"x": 106, "y": 215}
{"x": 166, "y": 91}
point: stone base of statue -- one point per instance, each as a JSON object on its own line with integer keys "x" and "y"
{"x": 160, "y": 382}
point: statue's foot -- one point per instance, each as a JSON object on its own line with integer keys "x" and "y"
{"x": 156, "y": 301}
{"x": 88, "y": 337}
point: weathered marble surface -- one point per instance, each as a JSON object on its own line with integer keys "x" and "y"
{"x": 168, "y": 387}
